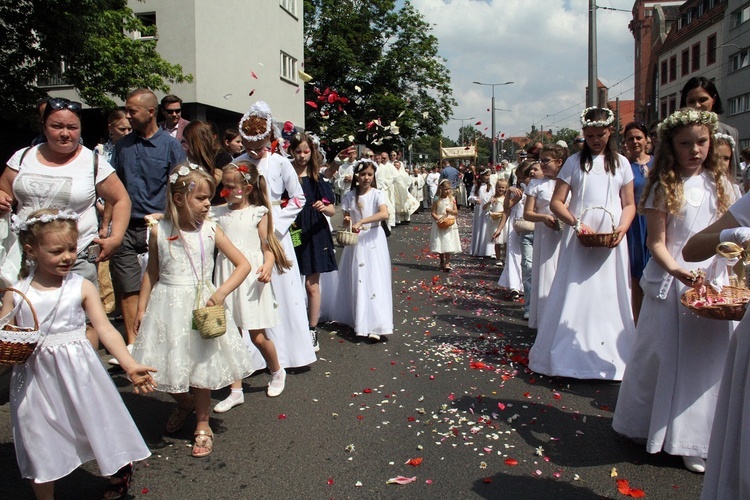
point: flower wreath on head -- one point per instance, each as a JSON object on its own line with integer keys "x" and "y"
{"x": 600, "y": 123}
{"x": 360, "y": 165}
{"x": 182, "y": 172}
{"x": 17, "y": 224}
{"x": 684, "y": 117}
{"x": 718, "y": 136}
{"x": 261, "y": 110}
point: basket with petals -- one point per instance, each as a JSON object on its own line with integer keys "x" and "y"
{"x": 346, "y": 237}
{"x": 729, "y": 304}
{"x": 598, "y": 239}
{"x": 446, "y": 222}
{"x": 17, "y": 343}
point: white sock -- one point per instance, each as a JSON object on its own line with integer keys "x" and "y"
{"x": 236, "y": 395}
{"x": 278, "y": 378}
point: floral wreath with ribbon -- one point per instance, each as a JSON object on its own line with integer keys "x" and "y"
{"x": 684, "y": 117}
{"x": 17, "y": 224}
{"x": 360, "y": 165}
{"x": 718, "y": 136}
{"x": 597, "y": 123}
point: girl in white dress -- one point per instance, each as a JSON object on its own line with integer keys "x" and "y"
{"x": 180, "y": 264}
{"x": 729, "y": 446}
{"x": 588, "y": 324}
{"x": 669, "y": 392}
{"x": 363, "y": 298}
{"x": 495, "y": 212}
{"x": 444, "y": 241}
{"x": 547, "y": 229}
{"x": 515, "y": 199}
{"x": 481, "y": 227}
{"x": 246, "y": 220}
{"x": 64, "y": 408}
{"x": 292, "y": 336}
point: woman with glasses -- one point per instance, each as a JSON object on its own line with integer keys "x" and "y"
{"x": 61, "y": 173}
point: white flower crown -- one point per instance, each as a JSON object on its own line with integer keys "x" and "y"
{"x": 17, "y": 224}
{"x": 601, "y": 123}
{"x": 261, "y": 110}
{"x": 687, "y": 116}
{"x": 364, "y": 163}
{"x": 718, "y": 136}
{"x": 182, "y": 171}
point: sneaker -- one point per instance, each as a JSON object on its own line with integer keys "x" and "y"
{"x": 232, "y": 400}
{"x": 276, "y": 386}
{"x": 314, "y": 335}
{"x": 114, "y": 362}
{"x": 374, "y": 336}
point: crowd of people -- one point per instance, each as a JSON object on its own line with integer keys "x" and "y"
{"x": 600, "y": 244}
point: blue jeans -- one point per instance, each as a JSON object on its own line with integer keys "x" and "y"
{"x": 527, "y": 252}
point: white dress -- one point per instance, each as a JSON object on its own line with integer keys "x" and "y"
{"x": 64, "y": 407}
{"x": 364, "y": 298}
{"x": 671, "y": 384}
{"x": 546, "y": 249}
{"x": 587, "y": 330}
{"x": 497, "y": 208}
{"x": 252, "y": 305}
{"x": 444, "y": 240}
{"x": 166, "y": 339}
{"x": 729, "y": 451}
{"x": 481, "y": 228}
{"x": 511, "y": 277}
{"x": 292, "y": 335}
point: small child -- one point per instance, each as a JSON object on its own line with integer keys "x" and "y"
{"x": 247, "y": 221}
{"x": 363, "y": 299}
{"x": 444, "y": 241}
{"x": 669, "y": 392}
{"x": 547, "y": 230}
{"x": 180, "y": 264}
{"x": 495, "y": 213}
{"x": 725, "y": 152}
{"x": 64, "y": 407}
{"x": 481, "y": 227}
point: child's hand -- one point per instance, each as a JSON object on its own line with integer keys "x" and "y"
{"x": 549, "y": 221}
{"x": 216, "y": 299}
{"x": 346, "y": 220}
{"x": 621, "y": 231}
{"x": 142, "y": 380}
{"x": 138, "y": 320}
{"x": 584, "y": 229}
{"x": 264, "y": 272}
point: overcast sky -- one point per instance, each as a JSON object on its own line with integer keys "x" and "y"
{"x": 541, "y": 45}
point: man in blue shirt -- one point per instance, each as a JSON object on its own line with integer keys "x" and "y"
{"x": 451, "y": 173}
{"x": 143, "y": 160}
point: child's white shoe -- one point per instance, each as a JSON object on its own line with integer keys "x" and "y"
{"x": 278, "y": 381}
{"x": 235, "y": 398}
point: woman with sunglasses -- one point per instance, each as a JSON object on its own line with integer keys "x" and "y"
{"x": 62, "y": 173}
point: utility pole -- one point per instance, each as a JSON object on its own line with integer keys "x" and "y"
{"x": 593, "y": 99}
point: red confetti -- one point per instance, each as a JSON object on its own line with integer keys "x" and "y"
{"x": 367, "y": 390}
{"x": 144, "y": 491}
{"x": 251, "y": 93}
{"x": 623, "y": 486}
{"x": 478, "y": 123}
{"x": 511, "y": 461}
{"x": 282, "y": 416}
{"x": 312, "y": 104}
{"x": 487, "y": 480}
{"x": 411, "y": 419}
{"x": 414, "y": 462}
{"x": 330, "y": 481}
{"x": 252, "y": 73}
{"x": 172, "y": 238}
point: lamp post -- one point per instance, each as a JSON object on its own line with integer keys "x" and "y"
{"x": 493, "y": 157}
{"x": 462, "y": 120}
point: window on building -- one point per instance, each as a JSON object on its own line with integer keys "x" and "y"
{"x": 288, "y": 70}
{"x": 289, "y": 6}
{"x": 664, "y": 72}
{"x": 696, "y": 57}
{"x": 739, "y": 60}
{"x": 739, "y": 16}
{"x": 148, "y": 19}
{"x": 663, "y": 110}
{"x": 711, "y": 50}
{"x": 739, "y": 104}
{"x": 54, "y": 79}
{"x": 673, "y": 68}
{"x": 685, "y": 62}
{"x": 672, "y": 104}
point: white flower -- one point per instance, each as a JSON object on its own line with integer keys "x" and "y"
{"x": 183, "y": 171}
{"x": 173, "y": 178}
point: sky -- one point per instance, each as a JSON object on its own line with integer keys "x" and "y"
{"x": 541, "y": 46}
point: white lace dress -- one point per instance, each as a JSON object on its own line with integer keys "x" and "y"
{"x": 166, "y": 339}
{"x": 64, "y": 407}
{"x": 253, "y": 304}
{"x": 444, "y": 240}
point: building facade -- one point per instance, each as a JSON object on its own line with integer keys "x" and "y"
{"x": 734, "y": 85}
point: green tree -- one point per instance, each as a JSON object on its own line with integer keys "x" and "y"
{"x": 89, "y": 39}
{"x": 565, "y": 134}
{"x": 377, "y": 78}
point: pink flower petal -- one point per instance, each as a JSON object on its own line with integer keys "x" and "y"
{"x": 401, "y": 480}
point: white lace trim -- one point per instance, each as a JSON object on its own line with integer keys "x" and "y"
{"x": 57, "y": 339}
{"x": 19, "y": 335}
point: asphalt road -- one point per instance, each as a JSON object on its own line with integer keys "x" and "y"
{"x": 448, "y": 391}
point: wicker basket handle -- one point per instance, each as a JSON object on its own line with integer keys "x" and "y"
{"x": 611, "y": 217}
{"x": 15, "y": 309}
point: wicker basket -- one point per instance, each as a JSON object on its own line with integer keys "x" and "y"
{"x": 446, "y": 222}
{"x": 496, "y": 215}
{"x": 347, "y": 238}
{"x": 210, "y": 321}
{"x": 523, "y": 226}
{"x": 18, "y": 343}
{"x": 598, "y": 239}
{"x": 731, "y": 309}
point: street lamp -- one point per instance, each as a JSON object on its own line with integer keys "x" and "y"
{"x": 493, "y": 158}
{"x": 462, "y": 120}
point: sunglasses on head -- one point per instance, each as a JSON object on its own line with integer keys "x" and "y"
{"x": 580, "y": 140}
{"x": 58, "y": 103}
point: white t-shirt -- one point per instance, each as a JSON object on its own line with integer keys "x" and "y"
{"x": 70, "y": 186}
